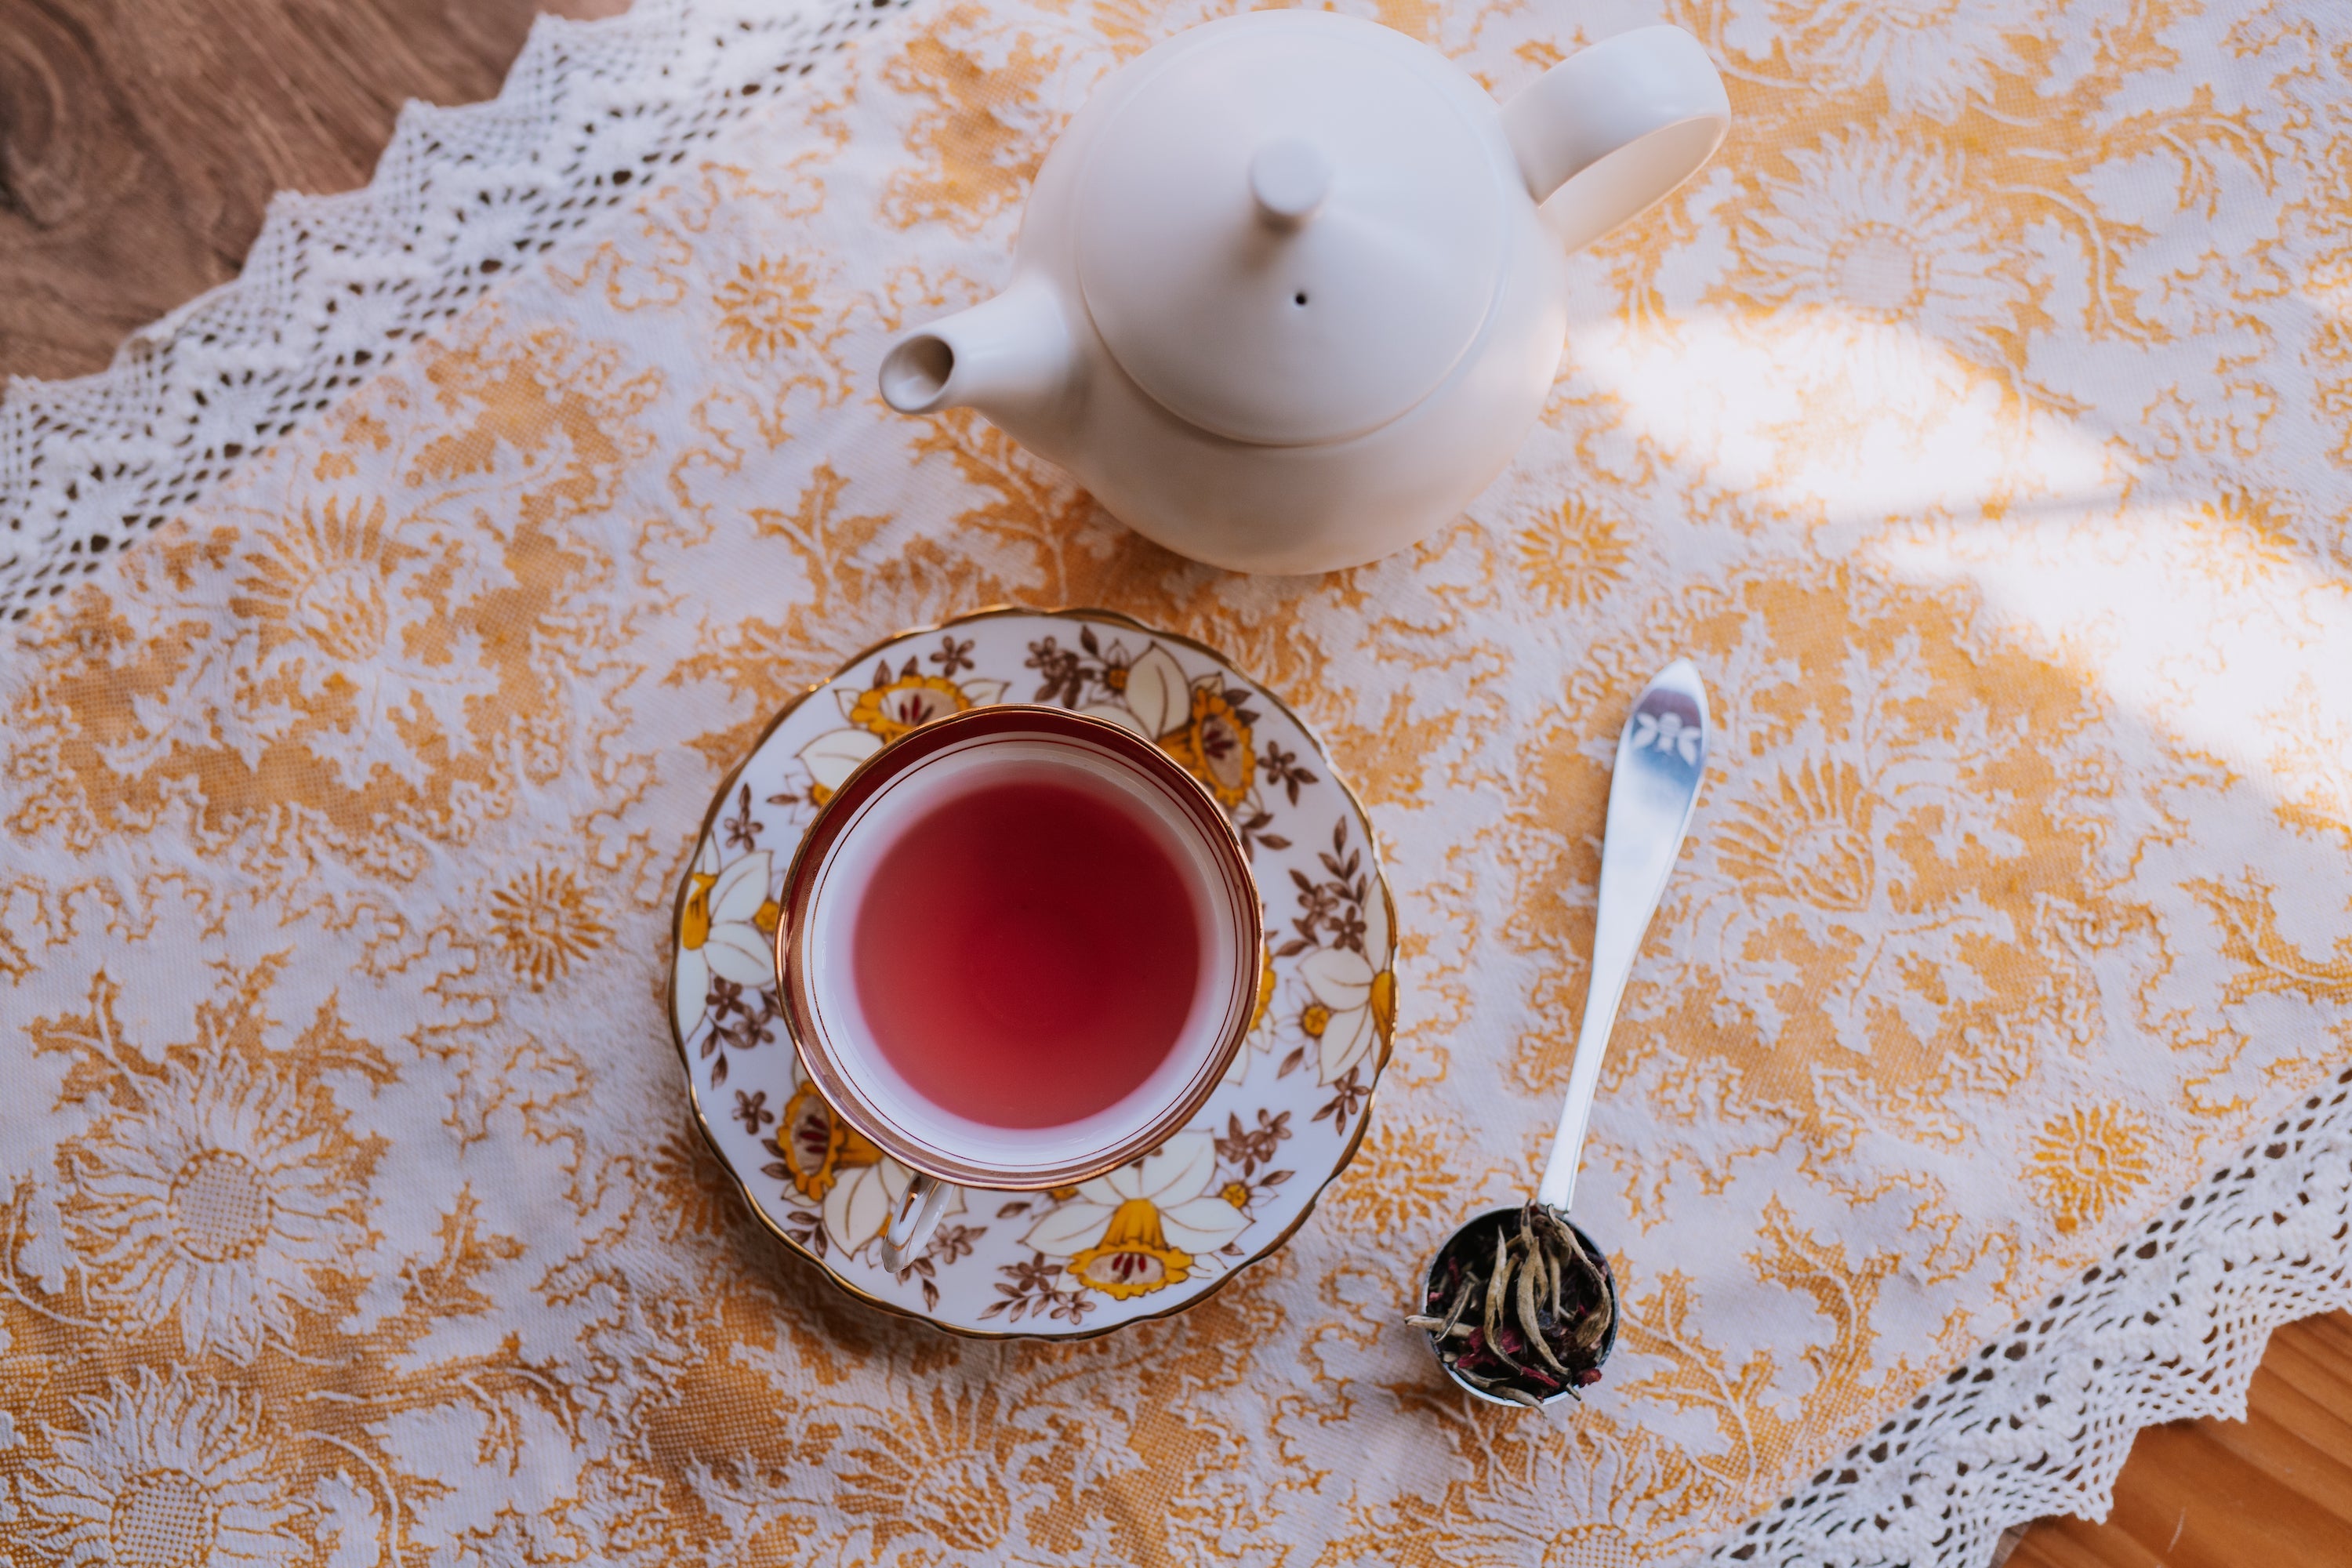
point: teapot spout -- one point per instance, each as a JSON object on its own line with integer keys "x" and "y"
{"x": 1012, "y": 354}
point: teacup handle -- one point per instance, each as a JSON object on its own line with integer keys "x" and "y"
{"x": 1621, "y": 124}
{"x": 912, "y": 1220}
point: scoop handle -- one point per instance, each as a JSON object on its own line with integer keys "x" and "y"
{"x": 1652, "y": 792}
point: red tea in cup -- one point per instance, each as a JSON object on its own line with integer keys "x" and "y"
{"x": 1026, "y": 951}
{"x": 1019, "y": 948}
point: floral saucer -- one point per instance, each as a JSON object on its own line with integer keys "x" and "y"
{"x": 1151, "y": 1237}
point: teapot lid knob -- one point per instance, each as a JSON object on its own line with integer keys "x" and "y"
{"x": 1293, "y": 227}
{"x": 1290, "y": 177}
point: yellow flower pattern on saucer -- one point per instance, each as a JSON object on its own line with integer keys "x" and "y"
{"x": 1140, "y": 1242}
{"x": 1980, "y": 422}
{"x": 1129, "y": 1220}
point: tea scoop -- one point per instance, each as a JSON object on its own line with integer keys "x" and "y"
{"x": 1519, "y": 1304}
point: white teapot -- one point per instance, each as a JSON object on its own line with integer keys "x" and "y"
{"x": 1282, "y": 298}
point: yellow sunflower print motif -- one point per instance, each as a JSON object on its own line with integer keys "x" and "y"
{"x": 165, "y": 1470}
{"x": 768, "y": 307}
{"x": 326, "y": 583}
{"x": 1807, "y": 838}
{"x": 220, "y": 1200}
{"x": 1575, "y": 558}
{"x": 547, "y": 922}
{"x": 2088, "y": 1162}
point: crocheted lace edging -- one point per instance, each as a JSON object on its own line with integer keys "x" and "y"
{"x": 2168, "y": 1328}
{"x": 335, "y": 285}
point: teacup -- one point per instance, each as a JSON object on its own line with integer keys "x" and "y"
{"x": 1018, "y": 949}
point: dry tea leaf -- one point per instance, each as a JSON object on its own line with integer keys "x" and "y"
{"x": 1520, "y": 1311}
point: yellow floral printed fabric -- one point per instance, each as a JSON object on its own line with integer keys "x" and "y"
{"x": 1981, "y": 421}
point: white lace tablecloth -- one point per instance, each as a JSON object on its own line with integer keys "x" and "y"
{"x": 1976, "y": 422}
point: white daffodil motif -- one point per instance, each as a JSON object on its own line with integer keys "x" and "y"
{"x": 1154, "y": 696}
{"x": 727, "y": 929}
{"x": 853, "y": 1183}
{"x": 1354, "y": 1007}
{"x": 859, "y": 1201}
{"x": 1146, "y": 1226}
{"x": 881, "y": 713}
{"x": 833, "y": 756}
{"x": 1191, "y": 721}
{"x": 1667, "y": 732}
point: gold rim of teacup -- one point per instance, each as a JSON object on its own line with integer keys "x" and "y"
{"x": 802, "y": 882}
{"x": 702, "y": 1123}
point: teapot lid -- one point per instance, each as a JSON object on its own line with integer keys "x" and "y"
{"x": 1291, "y": 231}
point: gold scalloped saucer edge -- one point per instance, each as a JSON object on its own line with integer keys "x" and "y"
{"x": 694, "y": 1096}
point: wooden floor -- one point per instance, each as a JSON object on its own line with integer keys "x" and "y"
{"x": 2273, "y": 1491}
{"x": 139, "y": 142}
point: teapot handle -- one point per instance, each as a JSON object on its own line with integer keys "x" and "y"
{"x": 1617, "y": 126}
